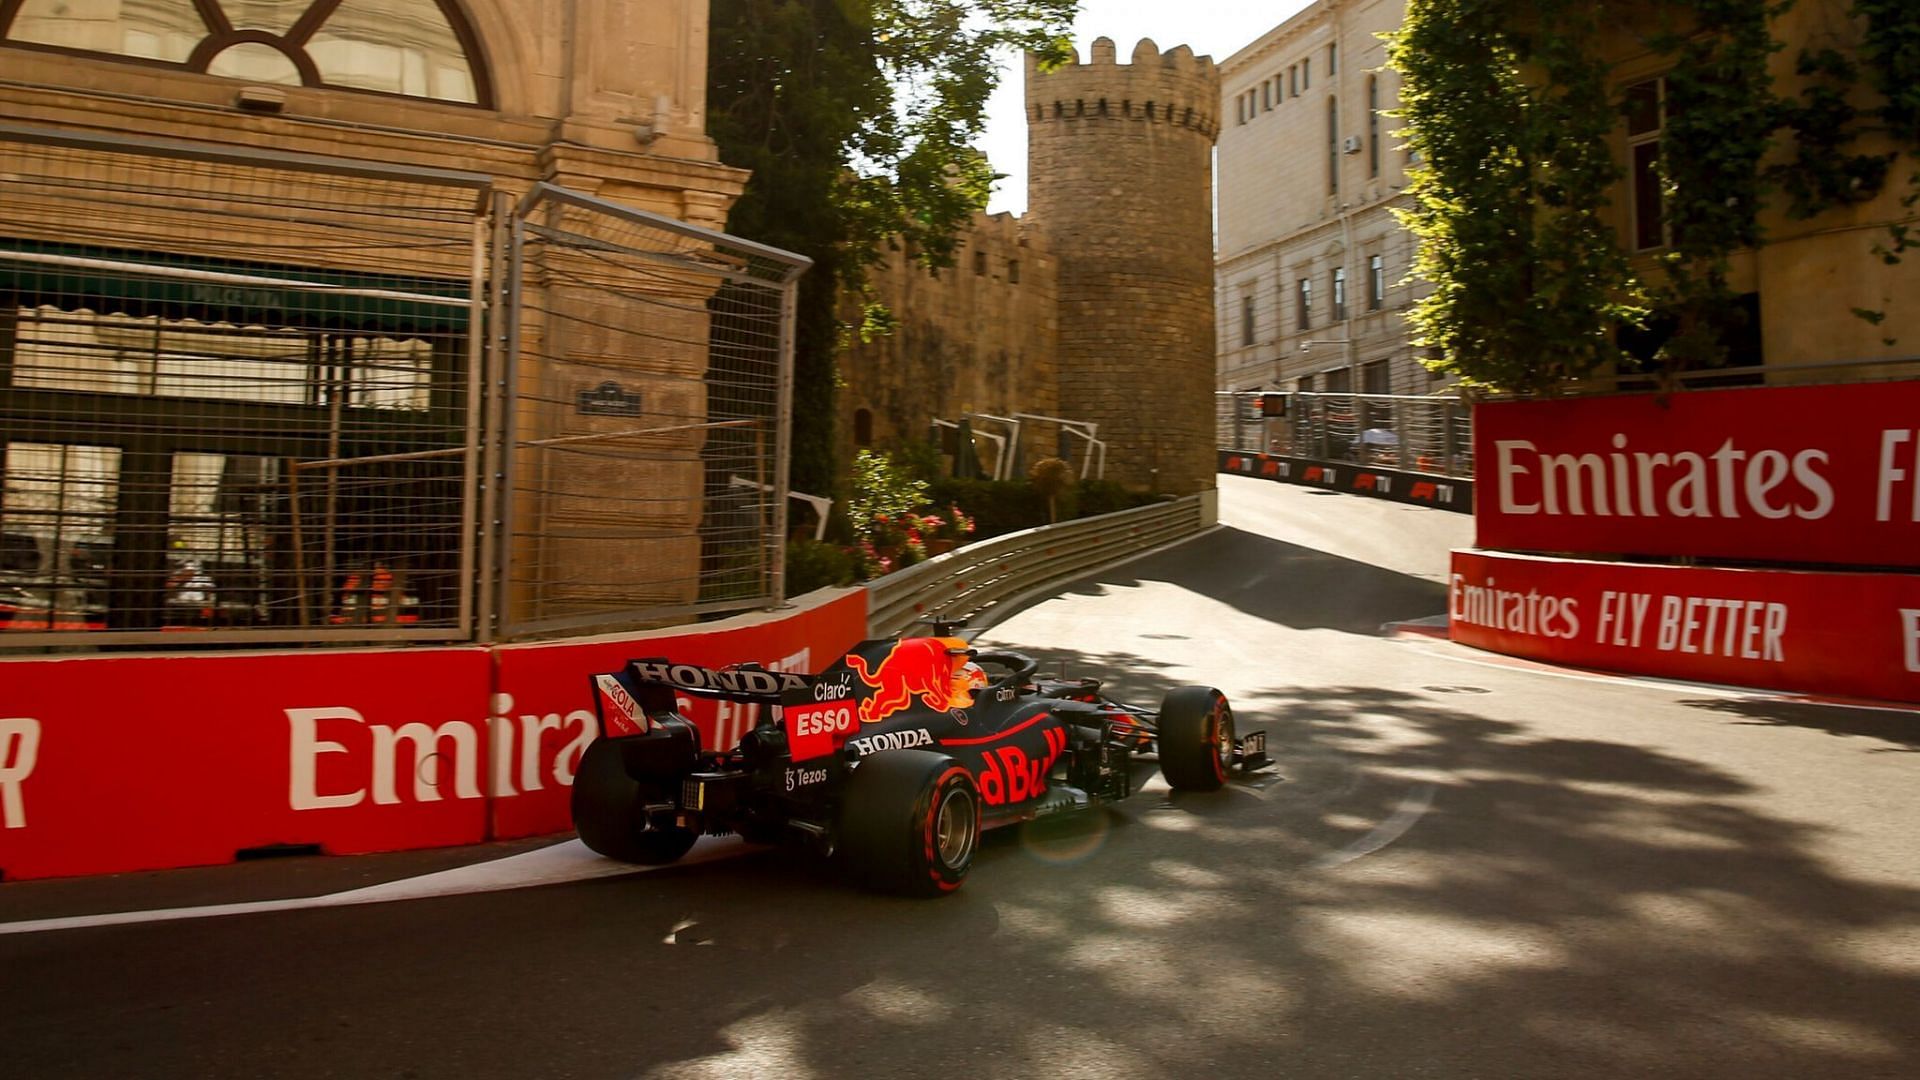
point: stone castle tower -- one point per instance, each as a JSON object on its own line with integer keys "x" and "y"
{"x": 1119, "y": 166}
{"x": 1096, "y": 305}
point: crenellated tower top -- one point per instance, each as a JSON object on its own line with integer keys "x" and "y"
{"x": 1175, "y": 88}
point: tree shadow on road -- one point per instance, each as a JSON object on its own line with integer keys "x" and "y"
{"x": 1896, "y": 726}
{"x": 1282, "y": 583}
{"x": 1424, "y": 891}
{"x": 1417, "y": 890}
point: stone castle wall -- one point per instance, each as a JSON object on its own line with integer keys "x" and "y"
{"x": 980, "y": 336}
{"x": 1111, "y": 320}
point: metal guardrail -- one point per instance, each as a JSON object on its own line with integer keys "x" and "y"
{"x": 964, "y": 584}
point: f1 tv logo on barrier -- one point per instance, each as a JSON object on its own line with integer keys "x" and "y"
{"x": 19, "y": 749}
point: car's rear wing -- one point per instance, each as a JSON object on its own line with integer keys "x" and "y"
{"x": 630, "y": 701}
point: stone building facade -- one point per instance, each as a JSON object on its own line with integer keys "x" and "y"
{"x": 1313, "y": 268}
{"x": 1806, "y": 278}
{"x": 1314, "y": 271}
{"x": 1109, "y": 323}
{"x": 605, "y": 98}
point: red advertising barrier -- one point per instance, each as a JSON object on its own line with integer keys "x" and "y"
{"x": 129, "y": 763}
{"x": 543, "y": 707}
{"x": 110, "y": 764}
{"x": 1420, "y": 489}
{"x": 1812, "y": 474}
{"x": 1843, "y": 634}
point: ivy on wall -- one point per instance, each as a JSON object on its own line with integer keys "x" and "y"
{"x": 1890, "y": 50}
{"x": 1508, "y": 106}
{"x": 1720, "y": 118}
{"x": 1508, "y": 111}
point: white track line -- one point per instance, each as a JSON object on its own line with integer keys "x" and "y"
{"x": 554, "y": 865}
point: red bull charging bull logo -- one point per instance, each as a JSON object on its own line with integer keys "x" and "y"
{"x": 917, "y": 667}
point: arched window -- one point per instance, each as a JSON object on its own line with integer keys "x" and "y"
{"x": 412, "y": 48}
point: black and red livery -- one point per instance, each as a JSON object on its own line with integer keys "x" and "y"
{"x": 893, "y": 759}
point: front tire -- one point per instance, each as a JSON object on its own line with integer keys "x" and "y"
{"x": 609, "y": 810}
{"x": 1196, "y": 738}
{"x": 910, "y": 822}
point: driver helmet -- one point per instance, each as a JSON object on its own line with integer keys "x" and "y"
{"x": 968, "y": 678}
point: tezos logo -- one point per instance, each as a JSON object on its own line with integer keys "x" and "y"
{"x": 805, "y": 777}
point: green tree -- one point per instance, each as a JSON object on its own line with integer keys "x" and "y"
{"x": 1508, "y": 109}
{"x": 857, "y": 119}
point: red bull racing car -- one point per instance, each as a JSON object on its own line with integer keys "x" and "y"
{"x": 892, "y": 760}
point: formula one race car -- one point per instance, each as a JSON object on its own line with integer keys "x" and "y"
{"x": 892, "y": 760}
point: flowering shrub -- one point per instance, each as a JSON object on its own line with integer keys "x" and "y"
{"x": 890, "y": 530}
{"x": 955, "y": 526}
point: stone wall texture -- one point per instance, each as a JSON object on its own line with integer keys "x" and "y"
{"x": 1111, "y": 320}
{"x": 1120, "y": 164}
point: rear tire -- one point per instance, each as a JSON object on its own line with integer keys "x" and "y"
{"x": 1196, "y": 738}
{"x": 910, "y": 823}
{"x": 609, "y": 811}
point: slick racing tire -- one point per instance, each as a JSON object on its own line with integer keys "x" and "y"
{"x": 909, "y": 823}
{"x": 609, "y": 810}
{"x": 1196, "y": 738}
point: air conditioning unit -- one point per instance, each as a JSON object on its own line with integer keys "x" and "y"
{"x": 1352, "y": 145}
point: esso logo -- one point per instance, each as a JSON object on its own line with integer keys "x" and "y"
{"x": 817, "y": 729}
{"x": 827, "y": 718}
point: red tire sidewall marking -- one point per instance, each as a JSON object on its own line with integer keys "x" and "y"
{"x": 935, "y": 869}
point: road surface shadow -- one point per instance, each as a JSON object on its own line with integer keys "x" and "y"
{"x": 1279, "y": 582}
{"x": 1900, "y": 727}
{"x": 1427, "y": 890}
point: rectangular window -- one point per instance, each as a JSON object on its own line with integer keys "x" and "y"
{"x": 1240, "y": 110}
{"x": 1013, "y": 271}
{"x": 1376, "y": 282}
{"x": 1306, "y": 304}
{"x": 1304, "y": 384}
{"x": 1376, "y": 378}
{"x": 1339, "y": 293}
{"x": 1306, "y": 73}
{"x": 1246, "y": 320}
{"x": 1333, "y": 60}
{"x": 1266, "y": 96}
{"x": 979, "y": 263}
{"x": 1373, "y": 126}
{"x": 1645, "y": 108}
{"x": 1339, "y": 380}
{"x": 1293, "y": 81}
{"x": 1333, "y": 144}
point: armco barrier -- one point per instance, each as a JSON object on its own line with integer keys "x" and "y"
{"x": 1821, "y": 632}
{"x": 111, "y": 764}
{"x": 965, "y": 584}
{"x": 1420, "y": 489}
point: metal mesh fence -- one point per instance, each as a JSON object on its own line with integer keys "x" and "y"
{"x": 234, "y": 395}
{"x": 645, "y": 480}
{"x": 1419, "y": 434}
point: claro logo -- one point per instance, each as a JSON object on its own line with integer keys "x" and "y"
{"x": 439, "y": 760}
{"x": 19, "y": 749}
